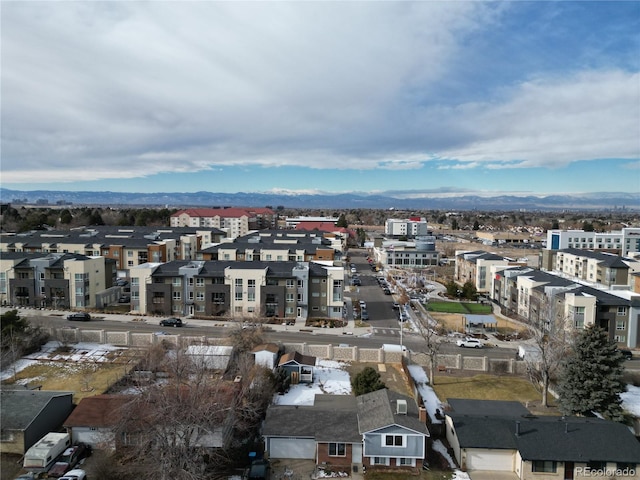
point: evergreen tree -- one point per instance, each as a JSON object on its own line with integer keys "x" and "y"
{"x": 368, "y": 380}
{"x": 342, "y": 221}
{"x": 591, "y": 377}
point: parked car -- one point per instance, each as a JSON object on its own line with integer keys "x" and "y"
{"x": 124, "y": 299}
{"x": 395, "y": 306}
{"x": 171, "y": 322}
{"x": 356, "y": 282}
{"x": 79, "y": 317}
{"x": 364, "y": 315}
{"x": 386, "y": 291}
{"x": 627, "y": 354}
{"x": 469, "y": 343}
{"x": 76, "y": 474}
{"x": 69, "y": 459}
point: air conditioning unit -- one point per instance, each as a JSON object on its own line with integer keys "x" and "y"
{"x": 401, "y": 407}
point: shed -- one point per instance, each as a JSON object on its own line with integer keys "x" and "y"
{"x": 298, "y": 366}
{"x": 266, "y": 355}
{"x": 212, "y": 357}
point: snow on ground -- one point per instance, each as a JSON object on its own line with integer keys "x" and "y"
{"x": 631, "y": 400}
{"x": 329, "y": 377}
{"x": 439, "y": 447}
{"x": 78, "y": 353}
{"x": 431, "y": 400}
{"x": 458, "y": 475}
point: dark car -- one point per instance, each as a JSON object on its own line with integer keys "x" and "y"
{"x": 259, "y": 470}
{"x": 79, "y": 317}
{"x": 627, "y": 354}
{"x": 124, "y": 299}
{"x": 171, "y": 322}
{"x": 69, "y": 459}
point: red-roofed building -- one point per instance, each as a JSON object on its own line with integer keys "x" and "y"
{"x": 235, "y": 221}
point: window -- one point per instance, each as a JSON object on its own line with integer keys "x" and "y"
{"x": 176, "y": 282}
{"x": 621, "y": 325}
{"x": 405, "y": 461}
{"x": 290, "y": 283}
{"x": 290, "y": 297}
{"x": 544, "y": 466}
{"x": 394, "y": 441}
{"x": 135, "y": 282}
{"x": 200, "y": 296}
{"x": 199, "y": 282}
{"x": 597, "y": 465}
{"x": 177, "y": 295}
{"x": 622, "y": 311}
{"x": 337, "y": 450}
{"x": 380, "y": 461}
{"x": 130, "y": 263}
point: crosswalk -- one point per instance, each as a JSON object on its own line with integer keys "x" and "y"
{"x": 387, "y": 331}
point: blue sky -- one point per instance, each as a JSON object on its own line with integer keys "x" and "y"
{"x": 435, "y": 97}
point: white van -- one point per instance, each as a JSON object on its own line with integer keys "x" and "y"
{"x": 43, "y": 454}
{"x": 392, "y": 347}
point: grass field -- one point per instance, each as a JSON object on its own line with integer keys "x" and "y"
{"x": 456, "y": 307}
{"x": 487, "y": 387}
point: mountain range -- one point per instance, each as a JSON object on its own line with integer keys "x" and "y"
{"x": 401, "y": 200}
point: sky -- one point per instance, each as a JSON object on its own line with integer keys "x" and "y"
{"x": 515, "y": 97}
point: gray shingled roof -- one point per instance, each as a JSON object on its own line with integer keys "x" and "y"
{"x": 18, "y": 408}
{"x": 464, "y": 406}
{"x": 378, "y": 410}
{"x": 331, "y": 418}
{"x": 573, "y": 439}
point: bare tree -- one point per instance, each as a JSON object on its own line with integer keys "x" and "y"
{"x": 434, "y": 335}
{"x": 550, "y": 338}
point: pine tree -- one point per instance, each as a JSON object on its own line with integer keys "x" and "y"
{"x": 591, "y": 377}
{"x": 368, "y": 380}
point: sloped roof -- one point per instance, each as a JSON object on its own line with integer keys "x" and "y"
{"x": 269, "y": 347}
{"x": 97, "y": 411}
{"x": 331, "y": 418}
{"x": 297, "y": 358}
{"x": 18, "y": 408}
{"x": 378, "y": 410}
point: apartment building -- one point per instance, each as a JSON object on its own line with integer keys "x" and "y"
{"x": 239, "y": 289}
{"x": 420, "y": 253}
{"x": 410, "y": 227}
{"x": 275, "y": 245}
{"x": 57, "y": 280}
{"x": 475, "y": 266}
{"x": 535, "y": 297}
{"x": 127, "y": 246}
{"x": 601, "y": 268}
{"x": 235, "y": 222}
{"x": 625, "y": 242}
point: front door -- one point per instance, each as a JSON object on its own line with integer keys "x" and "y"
{"x": 568, "y": 470}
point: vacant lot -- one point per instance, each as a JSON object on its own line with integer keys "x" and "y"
{"x": 489, "y": 387}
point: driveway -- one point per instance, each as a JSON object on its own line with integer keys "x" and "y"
{"x": 491, "y": 475}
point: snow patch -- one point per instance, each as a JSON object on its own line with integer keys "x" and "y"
{"x": 439, "y": 447}
{"x": 631, "y": 400}
{"x": 329, "y": 377}
{"x": 431, "y": 400}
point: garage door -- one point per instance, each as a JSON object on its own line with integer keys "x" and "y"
{"x": 292, "y": 448}
{"x": 490, "y": 460}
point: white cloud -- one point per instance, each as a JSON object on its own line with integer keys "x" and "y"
{"x": 129, "y": 89}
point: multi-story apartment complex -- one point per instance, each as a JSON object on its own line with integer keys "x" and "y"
{"x": 625, "y": 242}
{"x": 58, "y": 280}
{"x": 275, "y": 246}
{"x": 605, "y": 269}
{"x": 127, "y": 246}
{"x": 235, "y": 222}
{"x": 475, "y": 266}
{"x": 410, "y": 227}
{"x": 420, "y": 253}
{"x": 239, "y": 289}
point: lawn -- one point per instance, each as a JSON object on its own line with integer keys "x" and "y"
{"x": 456, "y": 307}
{"x": 487, "y": 387}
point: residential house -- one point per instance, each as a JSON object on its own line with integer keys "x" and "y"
{"x": 298, "y": 366}
{"x": 500, "y": 436}
{"x": 94, "y": 419}
{"x": 28, "y": 415}
{"x": 393, "y": 434}
{"x": 379, "y": 430}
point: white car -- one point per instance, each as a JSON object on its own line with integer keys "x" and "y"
{"x": 469, "y": 343}
{"x": 75, "y": 474}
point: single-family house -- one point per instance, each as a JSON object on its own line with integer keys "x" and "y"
{"x": 266, "y": 355}
{"x": 394, "y": 434}
{"x": 381, "y": 430}
{"x": 93, "y": 420}
{"x": 28, "y": 415}
{"x": 498, "y": 436}
{"x": 298, "y": 366}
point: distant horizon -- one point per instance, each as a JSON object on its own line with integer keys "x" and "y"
{"x": 515, "y": 98}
